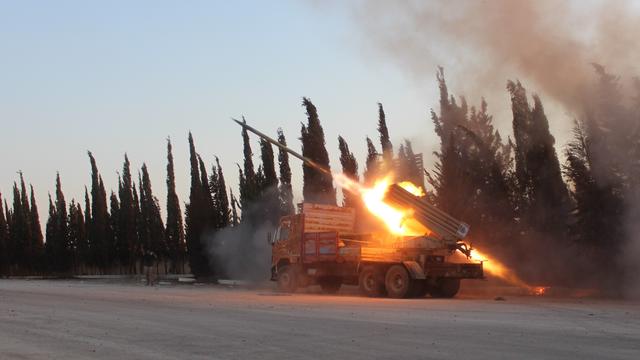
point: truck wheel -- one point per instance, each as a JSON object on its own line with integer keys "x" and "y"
{"x": 371, "y": 282}
{"x": 397, "y": 282}
{"x": 330, "y": 285}
{"x": 445, "y": 288}
{"x": 287, "y": 281}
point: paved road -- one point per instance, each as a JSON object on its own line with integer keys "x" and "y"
{"x": 80, "y": 320}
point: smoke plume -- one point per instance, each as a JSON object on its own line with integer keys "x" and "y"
{"x": 242, "y": 252}
{"x": 549, "y": 44}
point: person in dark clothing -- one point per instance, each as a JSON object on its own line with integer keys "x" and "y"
{"x": 149, "y": 262}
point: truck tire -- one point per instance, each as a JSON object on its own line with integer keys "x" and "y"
{"x": 371, "y": 282}
{"x": 287, "y": 279}
{"x": 397, "y": 282}
{"x": 445, "y": 288}
{"x": 330, "y": 284}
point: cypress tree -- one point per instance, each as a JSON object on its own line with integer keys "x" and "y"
{"x": 77, "y": 236}
{"x": 37, "y": 240}
{"x": 151, "y": 218}
{"x": 62, "y": 225}
{"x": 207, "y": 197}
{"x": 372, "y": 169}
{"x": 450, "y": 180}
{"x": 402, "y": 163}
{"x": 286, "y": 192}
{"x": 4, "y": 241}
{"x": 22, "y": 229}
{"x": 269, "y": 194}
{"x": 63, "y": 228}
{"x": 350, "y": 170}
{"x": 318, "y": 186}
{"x": 602, "y": 166}
{"x": 470, "y": 176}
{"x": 385, "y": 141}
{"x": 85, "y": 247}
{"x": 8, "y": 245}
{"x": 235, "y": 219}
{"x": 99, "y": 223}
{"x": 140, "y": 226}
{"x": 114, "y": 231}
{"x": 58, "y": 249}
{"x": 195, "y": 218}
{"x": 413, "y": 171}
{"x": 220, "y": 198}
{"x": 175, "y": 230}
{"x": 544, "y": 198}
{"x": 51, "y": 232}
{"x": 19, "y": 232}
{"x": 249, "y": 191}
{"x": 268, "y": 165}
{"x": 127, "y": 235}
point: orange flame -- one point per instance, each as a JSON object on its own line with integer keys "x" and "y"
{"x": 398, "y": 221}
{"x": 499, "y": 270}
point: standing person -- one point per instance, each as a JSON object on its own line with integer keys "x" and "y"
{"x": 149, "y": 261}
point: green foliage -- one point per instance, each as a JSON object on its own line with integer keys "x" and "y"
{"x": 58, "y": 248}
{"x": 99, "y": 221}
{"x": 235, "y": 218}
{"x": 372, "y": 170}
{"x": 409, "y": 166}
{"x": 269, "y": 203}
{"x": 602, "y": 167}
{"x": 385, "y": 141}
{"x": 153, "y": 236}
{"x": 197, "y": 216}
{"x": 318, "y": 186}
{"x": 175, "y": 229}
{"x": 113, "y": 231}
{"x": 126, "y": 234}
{"x": 542, "y": 195}
{"x": 350, "y": 170}
{"x": 286, "y": 192}
{"x": 77, "y": 235}
{"x": 222, "y": 212}
{"x": 249, "y": 183}
{"x": 471, "y": 176}
{"x": 4, "y": 240}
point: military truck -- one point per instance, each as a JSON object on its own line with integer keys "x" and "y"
{"x": 319, "y": 246}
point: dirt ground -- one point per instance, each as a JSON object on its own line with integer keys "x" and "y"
{"x": 42, "y": 319}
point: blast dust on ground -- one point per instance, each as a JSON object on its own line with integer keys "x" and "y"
{"x": 89, "y": 319}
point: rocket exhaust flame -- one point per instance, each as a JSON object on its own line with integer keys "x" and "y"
{"x": 499, "y": 270}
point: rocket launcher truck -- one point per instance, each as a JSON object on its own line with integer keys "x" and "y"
{"x": 320, "y": 246}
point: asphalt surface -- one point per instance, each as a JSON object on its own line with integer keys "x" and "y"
{"x": 42, "y": 319}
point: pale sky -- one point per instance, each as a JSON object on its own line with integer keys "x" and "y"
{"x": 121, "y": 76}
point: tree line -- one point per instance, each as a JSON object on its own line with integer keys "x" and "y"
{"x": 551, "y": 220}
